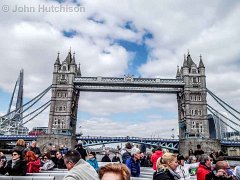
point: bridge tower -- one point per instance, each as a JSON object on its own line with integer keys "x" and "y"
{"x": 64, "y": 103}
{"x": 192, "y": 108}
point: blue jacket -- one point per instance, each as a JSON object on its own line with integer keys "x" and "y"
{"x": 93, "y": 162}
{"x": 134, "y": 167}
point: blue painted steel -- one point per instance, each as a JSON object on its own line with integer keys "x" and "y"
{"x": 16, "y": 137}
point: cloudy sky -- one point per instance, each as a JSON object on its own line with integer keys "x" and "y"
{"x": 116, "y": 38}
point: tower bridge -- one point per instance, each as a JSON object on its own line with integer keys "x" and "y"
{"x": 189, "y": 86}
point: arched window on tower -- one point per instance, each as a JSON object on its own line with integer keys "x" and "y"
{"x": 63, "y": 77}
{"x": 64, "y": 68}
{"x": 196, "y": 112}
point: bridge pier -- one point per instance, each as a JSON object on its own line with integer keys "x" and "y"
{"x": 207, "y": 145}
{"x": 45, "y": 141}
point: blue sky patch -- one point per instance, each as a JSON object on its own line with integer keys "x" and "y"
{"x": 69, "y": 33}
{"x": 96, "y": 20}
{"x": 141, "y": 54}
{"x": 5, "y": 100}
{"x": 129, "y": 25}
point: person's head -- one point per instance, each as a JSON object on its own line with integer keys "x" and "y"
{"x": 53, "y": 148}
{"x": 128, "y": 145}
{"x": 58, "y": 155}
{"x": 158, "y": 148}
{"x": 30, "y": 156}
{"x": 16, "y": 155}
{"x": 190, "y": 152}
{"x": 79, "y": 145}
{"x": 205, "y": 159}
{"x": 223, "y": 168}
{"x": 107, "y": 153}
{"x": 20, "y": 142}
{"x": 34, "y": 144}
{"x": 167, "y": 161}
{"x": 71, "y": 158}
{"x": 164, "y": 150}
{"x": 192, "y": 159}
{"x": 46, "y": 157}
{"x": 116, "y": 171}
{"x": 92, "y": 155}
{"x": 198, "y": 146}
{"x": 180, "y": 159}
{"x": 135, "y": 153}
{"x": 222, "y": 165}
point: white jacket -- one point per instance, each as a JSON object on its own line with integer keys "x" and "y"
{"x": 81, "y": 171}
{"x": 183, "y": 171}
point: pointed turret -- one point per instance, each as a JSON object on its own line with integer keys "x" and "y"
{"x": 69, "y": 57}
{"x": 201, "y": 65}
{"x": 79, "y": 71}
{"x": 178, "y": 75}
{"x": 185, "y": 61}
{"x": 189, "y": 60}
{"x": 57, "y": 62}
{"x": 73, "y": 59}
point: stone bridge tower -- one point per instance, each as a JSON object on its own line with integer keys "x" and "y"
{"x": 64, "y": 103}
{"x": 192, "y": 108}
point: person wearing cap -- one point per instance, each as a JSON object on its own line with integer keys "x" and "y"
{"x": 133, "y": 163}
{"x": 183, "y": 169}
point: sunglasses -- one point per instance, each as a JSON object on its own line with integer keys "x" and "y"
{"x": 14, "y": 154}
{"x": 45, "y": 158}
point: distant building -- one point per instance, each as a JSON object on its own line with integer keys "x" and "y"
{"x": 217, "y": 128}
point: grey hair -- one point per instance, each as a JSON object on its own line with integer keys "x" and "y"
{"x": 204, "y": 158}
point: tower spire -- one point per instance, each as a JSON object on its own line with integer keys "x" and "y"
{"x": 57, "y": 62}
{"x": 178, "y": 75}
{"x": 185, "y": 61}
{"x": 79, "y": 70}
{"x": 201, "y": 65}
{"x": 73, "y": 59}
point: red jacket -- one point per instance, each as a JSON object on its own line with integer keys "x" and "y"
{"x": 202, "y": 171}
{"x": 155, "y": 157}
{"x": 33, "y": 166}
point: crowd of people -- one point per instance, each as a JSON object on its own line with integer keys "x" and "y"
{"x": 84, "y": 165}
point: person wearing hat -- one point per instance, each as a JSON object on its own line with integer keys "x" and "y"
{"x": 133, "y": 163}
{"x": 183, "y": 169}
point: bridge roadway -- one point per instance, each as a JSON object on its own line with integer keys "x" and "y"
{"x": 94, "y": 140}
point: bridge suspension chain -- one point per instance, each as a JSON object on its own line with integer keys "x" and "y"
{"x": 218, "y": 99}
{"x": 41, "y": 94}
{"x": 211, "y": 109}
{"x": 43, "y": 107}
{"x": 36, "y": 110}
